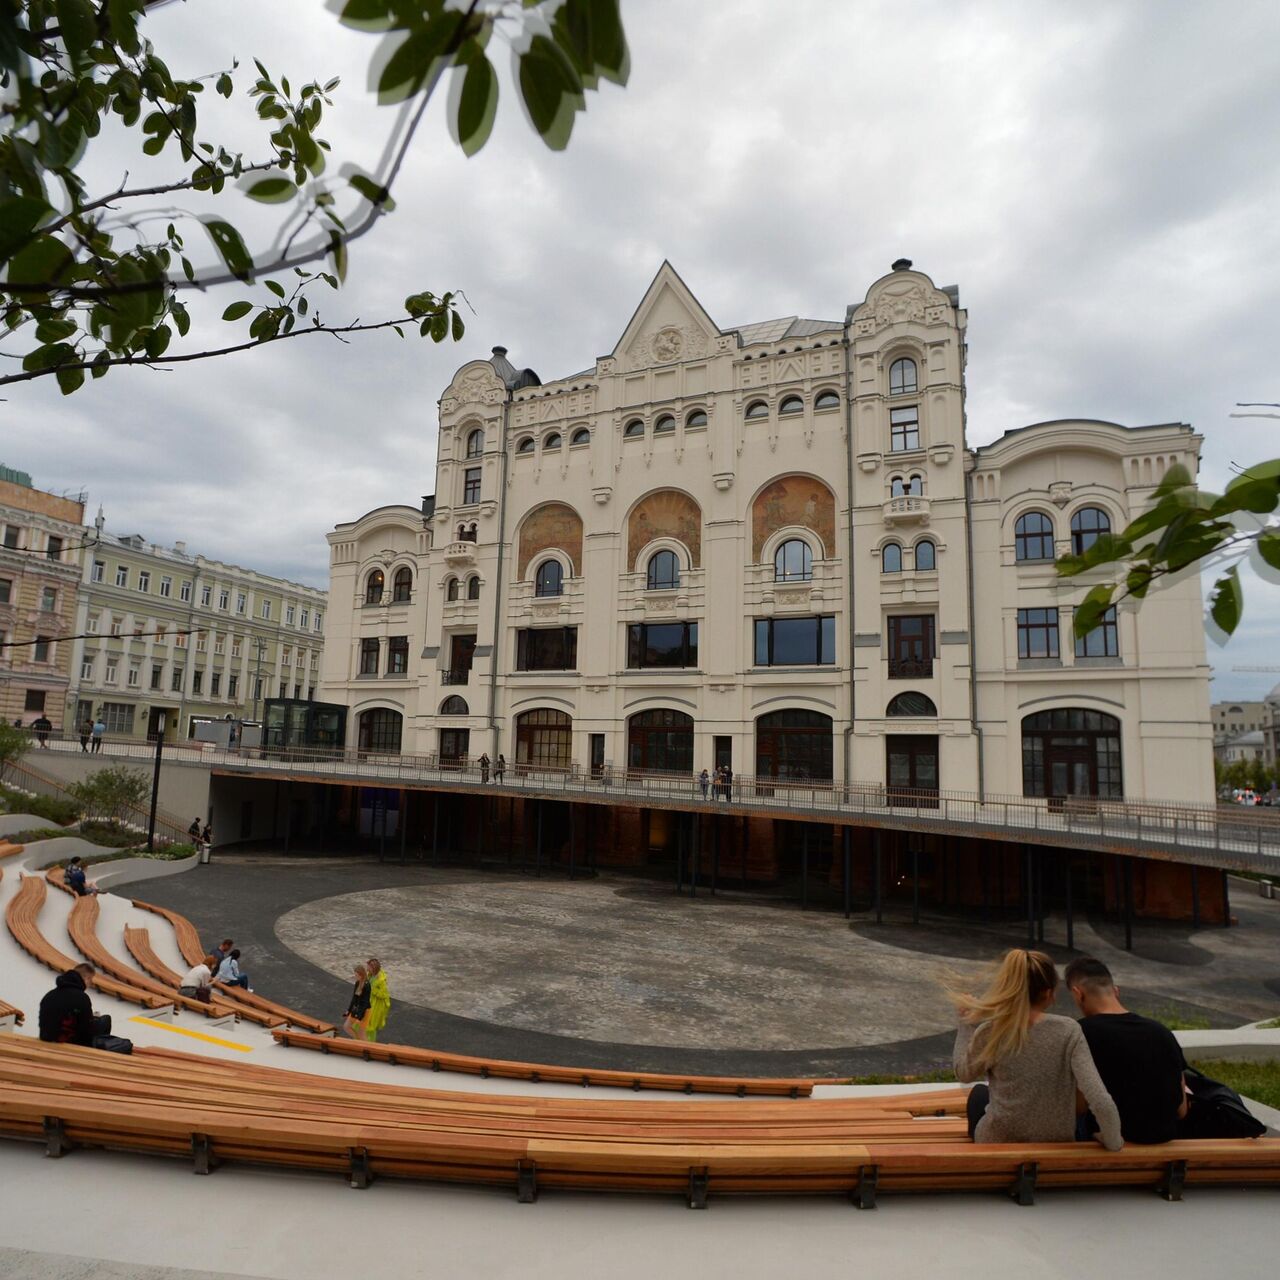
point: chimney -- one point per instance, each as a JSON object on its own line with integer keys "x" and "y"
{"x": 499, "y": 351}
{"x": 180, "y": 548}
{"x": 902, "y": 264}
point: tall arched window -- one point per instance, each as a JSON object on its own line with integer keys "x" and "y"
{"x": 793, "y": 561}
{"x": 373, "y": 585}
{"x": 473, "y": 587}
{"x": 454, "y": 705}
{"x": 451, "y": 589}
{"x": 664, "y": 571}
{"x": 475, "y": 443}
{"x": 827, "y": 400}
{"x": 1033, "y": 537}
{"x": 756, "y": 409}
{"x": 926, "y": 556}
{"x": 911, "y": 704}
{"x": 633, "y": 429}
{"x": 791, "y": 404}
{"x": 906, "y": 486}
{"x": 902, "y": 377}
{"x": 549, "y": 580}
{"x": 1087, "y": 526}
{"x": 581, "y": 436}
{"x": 891, "y": 558}
{"x": 402, "y": 585}
{"x": 664, "y": 425}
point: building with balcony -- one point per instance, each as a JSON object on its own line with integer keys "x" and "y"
{"x": 41, "y": 543}
{"x": 168, "y": 638}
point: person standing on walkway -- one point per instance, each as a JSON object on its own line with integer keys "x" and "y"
{"x": 726, "y": 783}
{"x": 194, "y": 832}
{"x": 500, "y": 768}
{"x": 379, "y": 999}
{"x": 206, "y": 836}
{"x": 86, "y": 732}
{"x": 484, "y": 767}
{"x": 99, "y": 731}
{"x": 704, "y": 780}
{"x": 353, "y": 1024}
{"x": 42, "y": 726}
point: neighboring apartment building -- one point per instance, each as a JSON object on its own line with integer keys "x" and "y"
{"x": 41, "y": 541}
{"x": 171, "y": 638}
{"x": 1237, "y": 727}
{"x": 771, "y": 547}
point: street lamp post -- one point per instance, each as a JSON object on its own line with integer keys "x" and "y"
{"x": 257, "y": 678}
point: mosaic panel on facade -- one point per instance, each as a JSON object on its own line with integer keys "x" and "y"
{"x": 790, "y": 501}
{"x": 665, "y": 514}
{"x": 553, "y": 526}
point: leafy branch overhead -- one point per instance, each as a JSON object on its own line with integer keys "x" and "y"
{"x": 92, "y": 280}
{"x": 1185, "y": 526}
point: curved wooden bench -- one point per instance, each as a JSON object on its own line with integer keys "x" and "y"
{"x": 7, "y": 850}
{"x": 22, "y": 914}
{"x": 229, "y": 1111}
{"x": 540, "y": 1073}
{"x": 56, "y": 876}
{"x": 193, "y": 952}
{"x": 138, "y": 943}
{"x": 10, "y": 1014}
{"x": 82, "y": 926}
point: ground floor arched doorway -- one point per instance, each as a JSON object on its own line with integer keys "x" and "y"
{"x": 379, "y": 729}
{"x": 1071, "y": 751}
{"x": 794, "y": 744}
{"x": 660, "y": 739}
{"x": 544, "y": 739}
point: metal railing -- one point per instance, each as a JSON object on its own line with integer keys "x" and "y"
{"x": 455, "y": 675}
{"x": 1211, "y": 835}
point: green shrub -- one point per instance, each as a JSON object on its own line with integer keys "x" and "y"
{"x": 34, "y": 835}
{"x": 55, "y": 809}
{"x": 110, "y": 834}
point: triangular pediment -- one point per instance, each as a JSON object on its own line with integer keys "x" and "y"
{"x": 668, "y": 326}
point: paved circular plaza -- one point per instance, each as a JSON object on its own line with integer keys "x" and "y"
{"x": 625, "y": 973}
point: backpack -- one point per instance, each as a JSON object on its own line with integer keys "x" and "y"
{"x": 1217, "y": 1111}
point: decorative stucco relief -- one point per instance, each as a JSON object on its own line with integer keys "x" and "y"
{"x": 668, "y": 345}
{"x": 793, "y": 500}
{"x": 665, "y": 514}
{"x": 554, "y": 525}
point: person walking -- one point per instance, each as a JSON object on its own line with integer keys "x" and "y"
{"x": 42, "y": 726}
{"x": 500, "y": 768}
{"x": 484, "y": 767}
{"x": 99, "y": 731}
{"x": 194, "y": 831}
{"x": 704, "y": 781}
{"x": 379, "y": 999}
{"x": 1034, "y": 1062}
{"x": 353, "y": 1023}
{"x": 206, "y": 836}
{"x": 86, "y": 732}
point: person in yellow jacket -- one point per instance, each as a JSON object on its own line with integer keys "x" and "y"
{"x": 379, "y": 999}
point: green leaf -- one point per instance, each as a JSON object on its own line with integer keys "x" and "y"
{"x": 181, "y": 318}
{"x": 609, "y": 41}
{"x": 18, "y": 218}
{"x": 366, "y": 15}
{"x": 1227, "y": 602}
{"x": 55, "y": 330}
{"x": 552, "y": 91}
{"x": 158, "y": 341}
{"x": 1260, "y": 496}
{"x": 45, "y": 261}
{"x": 231, "y": 248}
{"x": 1268, "y": 546}
{"x": 78, "y": 24}
{"x": 338, "y": 248}
{"x": 123, "y": 17}
{"x": 374, "y": 192}
{"x": 1089, "y": 611}
{"x": 237, "y": 310}
{"x": 409, "y": 66}
{"x": 69, "y": 380}
{"x": 48, "y": 357}
{"x": 1138, "y": 579}
{"x": 477, "y": 105}
{"x": 225, "y": 85}
{"x": 271, "y": 190}
{"x": 275, "y": 287}
{"x": 458, "y": 327}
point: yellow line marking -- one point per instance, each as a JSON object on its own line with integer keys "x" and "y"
{"x": 195, "y": 1035}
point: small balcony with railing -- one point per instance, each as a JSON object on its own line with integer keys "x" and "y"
{"x": 907, "y": 509}
{"x": 910, "y": 668}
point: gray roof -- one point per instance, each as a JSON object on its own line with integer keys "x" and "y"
{"x": 512, "y": 378}
{"x": 785, "y": 327}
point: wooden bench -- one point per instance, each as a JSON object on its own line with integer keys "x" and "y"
{"x": 138, "y": 943}
{"x": 8, "y": 849}
{"x": 22, "y": 914}
{"x": 214, "y": 1110}
{"x": 193, "y": 952}
{"x": 10, "y": 1016}
{"x": 57, "y": 877}
{"x": 541, "y": 1073}
{"x": 82, "y": 926}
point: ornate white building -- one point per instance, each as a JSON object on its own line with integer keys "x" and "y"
{"x": 770, "y": 547}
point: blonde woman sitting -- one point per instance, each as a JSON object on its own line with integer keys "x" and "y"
{"x": 1033, "y": 1061}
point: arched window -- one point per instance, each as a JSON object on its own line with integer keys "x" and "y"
{"x": 553, "y": 441}
{"x": 793, "y": 561}
{"x": 549, "y": 580}
{"x": 1087, "y": 526}
{"x": 402, "y": 588}
{"x": 891, "y": 558}
{"x": 544, "y": 739}
{"x": 906, "y": 487}
{"x": 453, "y": 705}
{"x": 451, "y": 589}
{"x": 926, "y": 556}
{"x": 902, "y": 377}
{"x": 633, "y": 429}
{"x": 911, "y": 704}
{"x": 1033, "y": 537}
{"x": 581, "y": 436}
{"x": 373, "y": 587}
{"x": 379, "y": 730}
{"x": 661, "y": 740}
{"x": 664, "y": 425}
{"x": 755, "y": 410}
{"x": 1071, "y": 751}
{"x": 791, "y": 404}
{"x": 475, "y": 443}
{"x": 794, "y": 744}
{"x": 525, "y": 445}
{"x": 663, "y": 572}
{"x": 473, "y": 587}
{"x": 698, "y": 418}
{"x": 827, "y": 400}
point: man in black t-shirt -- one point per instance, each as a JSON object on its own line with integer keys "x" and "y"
{"x": 1139, "y": 1060}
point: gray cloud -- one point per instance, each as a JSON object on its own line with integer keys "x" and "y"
{"x": 1094, "y": 177}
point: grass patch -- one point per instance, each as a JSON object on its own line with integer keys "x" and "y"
{"x": 925, "y": 1077}
{"x": 1176, "y": 1021}
{"x": 1273, "y": 1025}
{"x": 1257, "y": 1080}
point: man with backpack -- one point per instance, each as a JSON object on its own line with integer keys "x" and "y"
{"x": 66, "y": 1014}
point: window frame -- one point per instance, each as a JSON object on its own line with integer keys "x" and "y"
{"x": 525, "y": 445}
{"x": 634, "y": 429}
{"x": 475, "y": 443}
{"x": 553, "y": 441}
{"x": 904, "y": 433}
{"x": 790, "y": 405}
{"x": 664, "y": 425}
{"x": 781, "y": 573}
{"x": 932, "y": 566}
{"x": 1106, "y": 635}
{"x": 1039, "y": 621}
{"x": 375, "y": 585}
{"x": 1083, "y": 538}
{"x": 526, "y": 647}
{"x": 370, "y": 656}
{"x": 473, "y": 587}
{"x": 887, "y": 564}
{"x": 401, "y": 586}
{"x": 548, "y": 579}
{"x": 639, "y": 646}
{"x": 471, "y": 484}
{"x": 580, "y": 436}
{"x": 902, "y": 389}
{"x": 756, "y": 411}
{"x": 654, "y": 578}
{"x": 696, "y": 420}
{"x": 397, "y": 655}
{"x": 826, "y": 400}
{"x": 764, "y": 640}
{"x": 1023, "y": 540}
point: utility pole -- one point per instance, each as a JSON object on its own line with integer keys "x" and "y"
{"x": 155, "y": 792}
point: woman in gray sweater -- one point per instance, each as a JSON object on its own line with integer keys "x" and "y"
{"x": 1033, "y": 1061}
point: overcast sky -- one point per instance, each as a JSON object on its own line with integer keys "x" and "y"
{"x": 1099, "y": 179}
